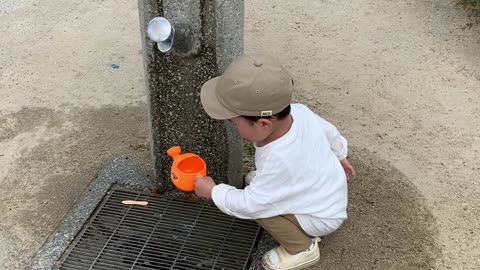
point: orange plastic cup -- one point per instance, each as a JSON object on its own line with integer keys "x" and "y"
{"x": 185, "y": 168}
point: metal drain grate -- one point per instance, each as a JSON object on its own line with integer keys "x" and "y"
{"x": 167, "y": 234}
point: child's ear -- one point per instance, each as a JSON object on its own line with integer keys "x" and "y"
{"x": 265, "y": 123}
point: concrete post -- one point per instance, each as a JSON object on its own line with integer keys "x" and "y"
{"x": 208, "y": 35}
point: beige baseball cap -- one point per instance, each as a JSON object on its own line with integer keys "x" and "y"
{"x": 256, "y": 85}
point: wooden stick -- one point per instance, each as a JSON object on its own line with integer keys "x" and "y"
{"x": 129, "y": 202}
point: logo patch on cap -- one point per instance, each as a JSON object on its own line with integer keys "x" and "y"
{"x": 266, "y": 113}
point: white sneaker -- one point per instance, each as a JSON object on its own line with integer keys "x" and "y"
{"x": 279, "y": 259}
{"x": 249, "y": 177}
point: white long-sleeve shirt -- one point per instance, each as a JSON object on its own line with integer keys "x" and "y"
{"x": 299, "y": 173}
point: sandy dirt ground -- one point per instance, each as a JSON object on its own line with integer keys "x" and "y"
{"x": 400, "y": 79}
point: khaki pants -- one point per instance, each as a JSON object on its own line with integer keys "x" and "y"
{"x": 286, "y": 230}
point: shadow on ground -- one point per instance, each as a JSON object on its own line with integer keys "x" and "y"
{"x": 388, "y": 226}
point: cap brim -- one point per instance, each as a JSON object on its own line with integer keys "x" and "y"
{"x": 211, "y": 104}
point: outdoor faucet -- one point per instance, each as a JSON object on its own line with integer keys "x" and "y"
{"x": 162, "y": 31}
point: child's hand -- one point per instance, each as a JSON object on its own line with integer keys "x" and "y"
{"x": 204, "y": 186}
{"x": 349, "y": 171}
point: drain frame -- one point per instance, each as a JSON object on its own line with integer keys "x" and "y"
{"x": 110, "y": 203}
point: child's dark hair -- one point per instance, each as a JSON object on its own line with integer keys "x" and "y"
{"x": 280, "y": 116}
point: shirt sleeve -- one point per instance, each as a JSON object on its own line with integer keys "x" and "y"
{"x": 338, "y": 143}
{"x": 256, "y": 200}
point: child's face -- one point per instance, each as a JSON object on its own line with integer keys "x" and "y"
{"x": 256, "y": 132}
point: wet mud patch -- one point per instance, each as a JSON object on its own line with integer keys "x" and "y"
{"x": 26, "y": 120}
{"x": 388, "y": 225}
{"x": 68, "y": 163}
{"x": 47, "y": 180}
